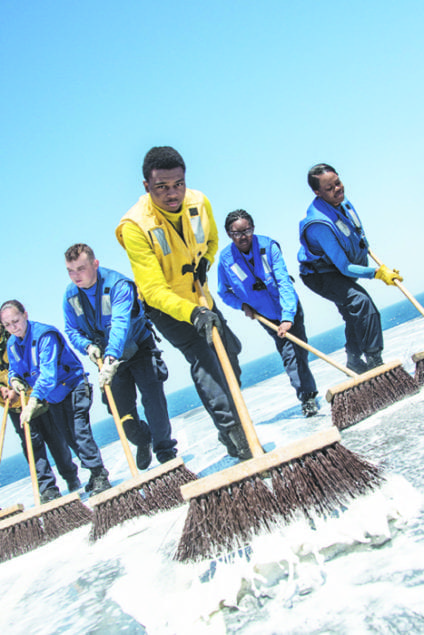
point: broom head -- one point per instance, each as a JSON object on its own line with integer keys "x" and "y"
{"x": 30, "y": 529}
{"x": 11, "y": 511}
{"x": 360, "y": 397}
{"x": 316, "y": 475}
{"x": 249, "y": 468}
{"x": 144, "y": 494}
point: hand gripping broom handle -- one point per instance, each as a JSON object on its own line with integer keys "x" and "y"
{"x": 119, "y": 426}
{"x": 3, "y": 425}
{"x": 30, "y": 453}
{"x": 307, "y": 347}
{"x": 245, "y": 420}
{"x": 400, "y": 286}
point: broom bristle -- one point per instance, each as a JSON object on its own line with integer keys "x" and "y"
{"x": 195, "y": 541}
{"x": 163, "y": 492}
{"x": 159, "y": 494}
{"x": 225, "y": 519}
{"x": 62, "y": 519}
{"x": 116, "y": 510}
{"x": 363, "y": 400}
{"x": 317, "y": 484}
{"x": 45, "y": 523}
{"x": 20, "y": 538}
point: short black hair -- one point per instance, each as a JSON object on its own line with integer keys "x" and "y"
{"x": 236, "y": 215}
{"x": 316, "y": 171}
{"x": 162, "y": 158}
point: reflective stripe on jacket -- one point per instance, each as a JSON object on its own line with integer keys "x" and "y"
{"x": 237, "y": 277}
{"x": 346, "y": 228}
{"x": 177, "y": 256}
{"x": 57, "y": 378}
{"x": 116, "y": 325}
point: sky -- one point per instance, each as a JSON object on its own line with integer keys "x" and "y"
{"x": 251, "y": 94}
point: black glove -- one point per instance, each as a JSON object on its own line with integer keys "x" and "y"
{"x": 203, "y": 321}
{"x": 201, "y": 270}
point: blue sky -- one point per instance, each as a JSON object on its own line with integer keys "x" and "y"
{"x": 252, "y": 94}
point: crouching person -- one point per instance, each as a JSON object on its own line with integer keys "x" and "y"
{"x": 40, "y": 357}
{"x": 104, "y": 318}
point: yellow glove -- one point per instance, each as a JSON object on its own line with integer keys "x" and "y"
{"x": 388, "y": 276}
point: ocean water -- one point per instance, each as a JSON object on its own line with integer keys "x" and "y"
{"x": 181, "y": 401}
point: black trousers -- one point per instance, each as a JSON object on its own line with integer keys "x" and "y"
{"x": 147, "y": 371}
{"x": 72, "y": 417}
{"x": 362, "y": 319}
{"x": 206, "y": 371}
{"x": 295, "y": 358}
{"x": 44, "y": 431}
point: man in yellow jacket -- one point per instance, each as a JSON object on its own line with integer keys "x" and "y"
{"x": 171, "y": 240}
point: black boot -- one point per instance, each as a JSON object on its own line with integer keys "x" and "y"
{"x": 98, "y": 481}
{"x": 309, "y": 404}
{"x": 74, "y": 484}
{"x": 355, "y": 363}
{"x": 50, "y": 494}
{"x": 144, "y": 455}
{"x": 225, "y": 440}
{"x": 238, "y": 439}
{"x": 163, "y": 456}
{"x": 374, "y": 360}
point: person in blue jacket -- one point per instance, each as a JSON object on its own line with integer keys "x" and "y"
{"x": 332, "y": 256}
{"x": 105, "y": 320}
{"x": 252, "y": 276}
{"x": 44, "y": 433}
{"x": 40, "y": 357}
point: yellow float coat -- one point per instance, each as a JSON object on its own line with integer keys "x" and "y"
{"x": 161, "y": 258}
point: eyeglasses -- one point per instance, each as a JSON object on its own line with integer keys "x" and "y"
{"x": 245, "y": 232}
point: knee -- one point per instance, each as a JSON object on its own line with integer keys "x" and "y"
{"x": 363, "y": 305}
{"x": 37, "y": 442}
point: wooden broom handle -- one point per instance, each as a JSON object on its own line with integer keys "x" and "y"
{"x": 307, "y": 346}
{"x": 3, "y": 425}
{"x": 30, "y": 453}
{"x": 119, "y": 426}
{"x": 400, "y": 286}
{"x": 243, "y": 413}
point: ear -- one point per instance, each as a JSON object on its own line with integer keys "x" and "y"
{"x": 316, "y": 192}
{"x": 146, "y": 186}
{"x": 96, "y": 264}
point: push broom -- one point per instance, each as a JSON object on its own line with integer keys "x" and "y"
{"x": 362, "y": 395}
{"x": 14, "y": 509}
{"x": 315, "y": 475}
{"x": 144, "y": 494}
{"x": 32, "y": 528}
{"x": 417, "y": 358}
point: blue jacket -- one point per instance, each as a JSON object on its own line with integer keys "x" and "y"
{"x": 45, "y": 361}
{"x": 347, "y": 230}
{"x": 236, "y": 277}
{"x": 117, "y": 324}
